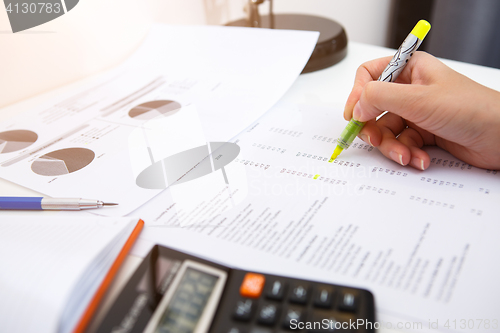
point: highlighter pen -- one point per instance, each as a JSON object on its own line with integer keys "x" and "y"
{"x": 390, "y": 74}
{"x": 40, "y": 203}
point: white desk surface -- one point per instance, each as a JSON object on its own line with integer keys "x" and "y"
{"x": 328, "y": 88}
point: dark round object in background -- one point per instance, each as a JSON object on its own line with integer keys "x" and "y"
{"x": 332, "y": 43}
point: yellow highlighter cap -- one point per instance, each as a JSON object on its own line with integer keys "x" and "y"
{"x": 421, "y": 29}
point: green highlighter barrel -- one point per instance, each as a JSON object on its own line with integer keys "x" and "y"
{"x": 390, "y": 74}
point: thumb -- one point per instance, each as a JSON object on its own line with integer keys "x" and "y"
{"x": 405, "y": 100}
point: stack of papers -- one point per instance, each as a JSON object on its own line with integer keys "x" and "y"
{"x": 184, "y": 87}
{"x": 51, "y": 268}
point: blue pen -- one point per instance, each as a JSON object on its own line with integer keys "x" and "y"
{"x": 41, "y": 203}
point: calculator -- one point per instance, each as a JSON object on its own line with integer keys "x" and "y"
{"x": 173, "y": 292}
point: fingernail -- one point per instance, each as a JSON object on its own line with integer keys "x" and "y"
{"x": 356, "y": 112}
{"x": 396, "y": 157}
{"x": 418, "y": 163}
{"x": 366, "y": 138}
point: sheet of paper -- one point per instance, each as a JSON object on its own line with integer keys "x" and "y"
{"x": 51, "y": 267}
{"x": 184, "y": 88}
{"x": 423, "y": 242}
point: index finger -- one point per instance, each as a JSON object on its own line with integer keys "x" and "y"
{"x": 368, "y": 71}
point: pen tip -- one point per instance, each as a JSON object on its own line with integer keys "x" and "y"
{"x": 336, "y": 153}
{"x": 109, "y": 204}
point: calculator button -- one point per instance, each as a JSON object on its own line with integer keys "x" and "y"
{"x": 323, "y": 297}
{"x": 348, "y": 302}
{"x": 299, "y": 293}
{"x": 268, "y": 314}
{"x": 276, "y": 290}
{"x": 292, "y": 316}
{"x": 243, "y": 310}
{"x": 252, "y": 285}
{"x": 328, "y": 322}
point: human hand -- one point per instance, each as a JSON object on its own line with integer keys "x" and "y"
{"x": 429, "y": 104}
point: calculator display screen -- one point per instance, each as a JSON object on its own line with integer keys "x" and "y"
{"x": 188, "y": 302}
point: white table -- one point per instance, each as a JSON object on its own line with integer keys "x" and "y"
{"x": 328, "y": 88}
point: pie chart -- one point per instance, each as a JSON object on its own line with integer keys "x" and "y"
{"x": 152, "y": 109}
{"x": 63, "y": 161}
{"x": 11, "y": 141}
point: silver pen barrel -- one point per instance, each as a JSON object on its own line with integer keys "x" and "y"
{"x": 70, "y": 204}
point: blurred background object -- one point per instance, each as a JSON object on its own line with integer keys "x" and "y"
{"x": 330, "y": 48}
{"x": 463, "y": 30}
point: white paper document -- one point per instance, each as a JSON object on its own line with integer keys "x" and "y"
{"x": 424, "y": 242}
{"x": 185, "y": 87}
